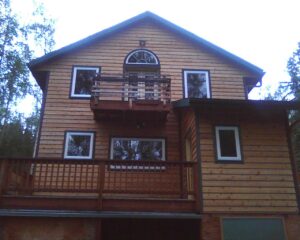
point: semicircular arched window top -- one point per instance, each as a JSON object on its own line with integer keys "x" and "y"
{"x": 141, "y": 56}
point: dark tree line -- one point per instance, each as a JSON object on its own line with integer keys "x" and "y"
{"x": 18, "y": 45}
{"x": 290, "y": 91}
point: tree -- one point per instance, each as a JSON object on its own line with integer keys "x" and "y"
{"x": 291, "y": 91}
{"x": 17, "y": 41}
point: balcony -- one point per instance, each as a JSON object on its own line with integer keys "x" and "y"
{"x": 131, "y": 98}
{"x": 104, "y": 185}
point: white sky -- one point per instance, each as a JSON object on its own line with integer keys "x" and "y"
{"x": 263, "y": 32}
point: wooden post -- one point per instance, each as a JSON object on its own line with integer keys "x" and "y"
{"x": 3, "y": 175}
{"x": 101, "y": 178}
{"x": 196, "y": 187}
{"x": 98, "y": 229}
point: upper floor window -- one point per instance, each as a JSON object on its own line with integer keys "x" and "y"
{"x": 82, "y": 81}
{"x": 142, "y": 56}
{"x": 228, "y": 143}
{"x": 196, "y": 84}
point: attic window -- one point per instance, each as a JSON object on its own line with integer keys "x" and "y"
{"x": 142, "y": 56}
{"x": 82, "y": 81}
{"x": 196, "y": 84}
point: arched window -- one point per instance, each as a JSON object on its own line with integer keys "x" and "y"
{"x": 143, "y": 68}
{"x": 143, "y": 57}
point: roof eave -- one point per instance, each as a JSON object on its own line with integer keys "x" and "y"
{"x": 104, "y": 33}
{"x": 264, "y": 104}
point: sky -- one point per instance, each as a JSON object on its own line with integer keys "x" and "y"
{"x": 263, "y": 32}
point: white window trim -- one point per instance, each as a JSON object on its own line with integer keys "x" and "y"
{"x": 123, "y": 167}
{"x": 141, "y": 50}
{"x": 237, "y": 143}
{"x": 139, "y": 139}
{"x": 68, "y": 134}
{"x": 186, "y": 72}
{"x": 73, "y": 94}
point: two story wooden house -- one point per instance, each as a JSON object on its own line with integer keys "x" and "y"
{"x": 147, "y": 132}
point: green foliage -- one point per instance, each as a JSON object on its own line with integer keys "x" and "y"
{"x": 17, "y": 139}
{"x": 18, "y": 44}
{"x": 293, "y": 67}
{"x": 291, "y": 91}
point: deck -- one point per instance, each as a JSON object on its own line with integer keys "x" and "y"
{"x": 104, "y": 185}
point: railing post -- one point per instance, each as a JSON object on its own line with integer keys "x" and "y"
{"x": 196, "y": 187}
{"x": 3, "y": 174}
{"x": 183, "y": 185}
{"x": 101, "y": 178}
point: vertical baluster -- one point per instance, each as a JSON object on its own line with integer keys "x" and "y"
{"x": 75, "y": 184}
{"x": 101, "y": 179}
{"x": 27, "y": 172}
{"x": 18, "y": 174}
{"x": 32, "y": 174}
{"x": 87, "y": 166}
{"x": 69, "y": 175}
{"x": 80, "y": 177}
{"x": 58, "y": 175}
{"x": 39, "y": 175}
{"x": 196, "y": 187}
{"x": 63, "y": 174}
{"x": 92, "y": 177}
{"x": 4, "y": 168}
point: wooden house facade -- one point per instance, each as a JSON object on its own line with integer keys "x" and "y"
{"x": 147, "y": 132}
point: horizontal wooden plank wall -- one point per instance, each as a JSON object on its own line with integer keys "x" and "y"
{"x": 175, "y": 53}
{"x": 264, "y": 181}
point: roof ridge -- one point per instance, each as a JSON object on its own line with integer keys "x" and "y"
{"x": 147, "y": 14}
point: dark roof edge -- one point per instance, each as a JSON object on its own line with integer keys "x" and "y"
{"x": 251, "y": 67}
{"x": 94, "y": 214}
{"x": 196, "y": 102}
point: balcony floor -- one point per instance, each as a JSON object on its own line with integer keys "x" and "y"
{"x": 147, "y": 111}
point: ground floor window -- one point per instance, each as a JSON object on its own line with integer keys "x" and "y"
{"x": 79, "y": 145}
{"x": 253, "y": 229}
{"x": 137, "y": 148}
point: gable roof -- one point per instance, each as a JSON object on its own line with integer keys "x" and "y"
{"x": 143, "y": 16}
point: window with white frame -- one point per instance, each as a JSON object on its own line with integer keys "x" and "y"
{"x": 79, "y": 145}
{"x": 137, "y": 149}
{"x": 228, "y": 143}
{"x": 141, "y": 56}
{"x": 196, "y": 84}
{"x": 82, "y": 81}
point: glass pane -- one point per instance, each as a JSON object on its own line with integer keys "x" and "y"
{"x": 84, "y": 81}
{"x": 227, "y": 143}
{"x": 142, "y": 57}
{"x": 253, "y": 229}
{"x": 196, "y": 85}
{"x": 135, "y": 149}
{"x": 79, "y": 145}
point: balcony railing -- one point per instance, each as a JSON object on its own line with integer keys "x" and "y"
{"x": 132, "y": 88}
{"x": 103, "y": 178}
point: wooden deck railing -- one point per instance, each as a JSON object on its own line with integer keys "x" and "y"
{"x": 142, "y": 179}
{"x": 132, "y": 87}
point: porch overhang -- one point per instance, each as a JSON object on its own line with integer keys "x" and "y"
{"x": 95, "y": 214}
{"x": 197, "y": 103}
